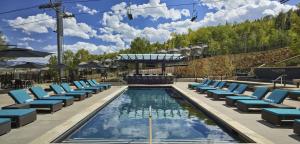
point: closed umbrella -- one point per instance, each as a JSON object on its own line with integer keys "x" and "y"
{"x": 22, "y": 52}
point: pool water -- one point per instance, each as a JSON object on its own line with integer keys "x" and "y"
{"x": 126, "y": 119}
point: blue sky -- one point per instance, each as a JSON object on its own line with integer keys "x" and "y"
{"x": 106, "y": 28}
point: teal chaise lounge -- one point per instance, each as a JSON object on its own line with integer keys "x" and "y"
{"x": 68, "y": 89}
{"x": 5, "y": 125}
{"x": 277, "y": 116}
{"x": 230, "y": 89}
{"x": 60, "y": 91}
{"x": 297, "y": 126}
{"x": 92, "y": 84}
{"x": 79, "y": 86}
{"x": 96, "y": 83}
{"x": 222, "y": 94}
{"x": 40, "y": 93}
{"x": 258, "y": 94}
{"x": 18, "y": 117}
{"x": 295, "y": 94}
{"x": 22, "y": 97}
{"x": 272, "y": 101}
{"x": 193, "y": 85}
{"x": 220, "y": 85}
{"x": 207, "y": 83}
{"x": 88, "y": 86}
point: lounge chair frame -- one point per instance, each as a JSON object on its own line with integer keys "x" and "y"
{"x": 18, "y": 121}
{"x": 5, "y": 127}
{"x": 276, "y": 119}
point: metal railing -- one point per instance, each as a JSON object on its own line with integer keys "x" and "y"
{"x": 282, "y": 80}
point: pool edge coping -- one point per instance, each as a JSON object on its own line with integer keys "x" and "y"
{"x": 59, "y": 130}
{"x": 235, "y": 125}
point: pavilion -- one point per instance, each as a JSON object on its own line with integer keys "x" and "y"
{"x": 153, "y": 59}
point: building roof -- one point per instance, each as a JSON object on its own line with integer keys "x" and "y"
{"x": 145, "y": 58}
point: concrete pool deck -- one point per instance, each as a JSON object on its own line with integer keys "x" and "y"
{"x": 47, "y": 127}
{"x": 249, "y": 123}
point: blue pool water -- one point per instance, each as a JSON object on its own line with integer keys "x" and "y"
{"x": 126, "y": 119}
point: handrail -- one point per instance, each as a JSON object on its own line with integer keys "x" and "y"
{"x": 281, "y": 78}
{"x": 150, "y": 125}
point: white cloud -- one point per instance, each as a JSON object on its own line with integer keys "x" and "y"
{"x": 115, "y": 30}
{"x": 241, "y": 10}
{"x": 85, "y": 9}
{"x": 92, "y": 48}
{"x": 25, "y": 39}
{"x": 154, "y": 9}
{"x": 24, "y": 45}
{"x": 82, "y": 30}
{"x": 39, "y": 23}
{"x": 43, "y": 23}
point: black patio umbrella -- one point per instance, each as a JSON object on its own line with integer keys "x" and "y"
{"x": 3, "y": 64}
{"x": 91, "y": 64}
{"x": 22, "y": 52}
{"x": 29, "y": 65}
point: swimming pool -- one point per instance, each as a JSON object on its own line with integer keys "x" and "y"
{"x": 126, "y": 119}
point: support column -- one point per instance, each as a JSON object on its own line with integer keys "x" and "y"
{"x": 137, "y": 68}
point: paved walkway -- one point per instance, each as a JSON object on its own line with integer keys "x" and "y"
{"x": 252, "y": 121}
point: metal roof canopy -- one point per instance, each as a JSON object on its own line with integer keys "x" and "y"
{"x": 150, "y": 58}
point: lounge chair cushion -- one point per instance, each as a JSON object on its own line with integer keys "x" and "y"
{"x": 241, "y": 97}
{"x": 20, "y": 96}
{"x": 15, "y": 112}
{"x": 254, "y": 102}
{"x": 4, "y": 120}
{"x": 260, "y": 92}
{"x": 283, "y": 112}
{"x": 58, "y": 98}
{"x": 46, "y": 102}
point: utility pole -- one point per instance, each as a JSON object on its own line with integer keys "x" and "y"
{"x": 57, "y": 6}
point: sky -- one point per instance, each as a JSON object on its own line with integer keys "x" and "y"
{"x": 102, "y": 26}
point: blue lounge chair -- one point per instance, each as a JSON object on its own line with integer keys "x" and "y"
{"x": 295, "y": 94}
{"x": 193, "y": 85}
{"x": 40, "y": 93}
{"x": 297, "y": 126}
{"x": 60, "y": 91}
{"x": 230, "y": 89}
{"x": 5, "y": 125}
{"x": 214, "y": 85}
{"x": 222, "y": 94}
{"x": 68, "y": 89}
{"x": 95, "y": 82}
{"x": 207, "y": 83}
{"x": 258, "y": 94}
{"x": 204, "y": 89}
{"x": 22, "y": 97}
{"x": 81, "y": 87}
{"x": 92, "y": 84}
{"x": 272, "y": 101}
{"x": 88, "y": 86}
{"x": 277, "y": 116}
{"x": 19, "y": 117}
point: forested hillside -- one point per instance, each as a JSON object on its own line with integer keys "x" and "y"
{"x": 259, "y": 35}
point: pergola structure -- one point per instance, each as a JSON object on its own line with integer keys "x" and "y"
{"x": 162, "y": 59}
